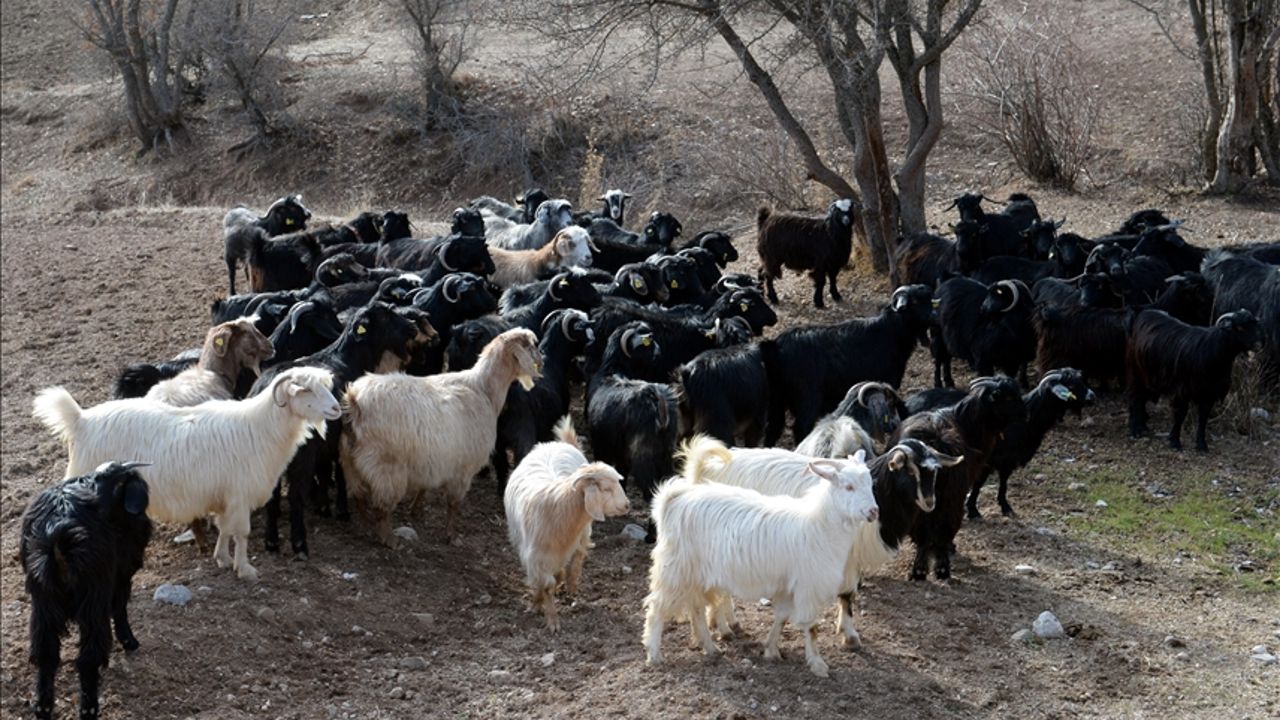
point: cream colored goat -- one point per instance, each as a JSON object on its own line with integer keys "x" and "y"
{"x": 551, "y": 499}
{"x": 571, "y": 247}
{"x": 228, "y": 348}
{"x": 220, "y": 458}
{"x": 409, "y": 435}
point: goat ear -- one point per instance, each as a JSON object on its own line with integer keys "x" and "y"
{"x": 221, "y": 341}
{"x": 593, "y": 499}
{"x": 136, "y": 497}
{"x": 295, "y": 388}
{"x": 859, "y": 457}
{"x": 825, "y": 469}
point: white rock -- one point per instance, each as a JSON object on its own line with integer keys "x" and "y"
{"x": 426, "y": 619}
{"x": 500, "y": 676}
{"x": 1024, "y": 569}
{"x": 204, "y": 589}
{"x": 353, "y": 576}
{"x": 404, "y": 532}
{"x": 1182, "y": 656}
{"x": 1077, "y": 487}
{"x": 1260, "y": 650}
{"x": 1046, "y": 531}
{"x": 173, "y": 594}
{"x": 1022, "y": 636}
{"x": 265, "y": 613}
{"x": 548, "y": 660}
{"x": 632, "y": 531}
{"x": 413, "y": 662}
{"x": 396, "y": 692}
{"x": 1101, "y": 504}
{"x": 1047, "y": 626}
{"x": 1260, "y": 414}
{"x": 1264, "y": 658}
{"x": 626, "y": 570}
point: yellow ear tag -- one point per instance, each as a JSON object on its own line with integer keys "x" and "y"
{"x": 711, "y": 334}
{"x": 646, "y": 341}
{"x": 288, "y": 221}
{"x": 360, "y": 330}
{"x": 675, "y": 284}
{"x": 742, "y": 306}
{"x": 220, "y": 341}
{"x": 563, "y": 283}
{"x": 637, "y": 283}
{"x": 937, "y": 303}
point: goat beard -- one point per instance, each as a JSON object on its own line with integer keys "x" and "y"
{"x": 526, "y": 382}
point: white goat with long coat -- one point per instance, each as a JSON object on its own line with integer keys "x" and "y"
{"x": 407, "y": 434}
{"x": 220, "y": 458}
{"x": 552, "y": 498}
{"x": 716, "y": 540}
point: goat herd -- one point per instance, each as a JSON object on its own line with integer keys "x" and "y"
{"x": 327, "y": 379}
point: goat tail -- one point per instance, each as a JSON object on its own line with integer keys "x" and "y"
{"x": 48, "y": 559}
{"x": 58, "y": 411}
{"x": 762, "y": 214}
{"x": 564, "y": 432}
{"x": 697, "y": 451}
{"x": 350, "y": 409}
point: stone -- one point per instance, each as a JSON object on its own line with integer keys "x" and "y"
{"x": 352, "y": 576}
{"x": 1101, "y": 504}
{"x": 1263, "y": 658}
{"x": 172, "y": 594}
{"x": 1182, "y": 656}
{"x": 404, "y": 532}
{"x": 1260, "y": 414}
{"x": 502, "y": 676}
{"x": 1024, "y": 569}
{"x": 396, "y": 693}
{"x": 413, "y": 662}
{"x": 548, "y": 660}
{"x": 632, "y": 531}
{"x": 1023, "y": 635}
{"x": 425, "y": 619}
{"x": 1174, "y": 641}
{"x": 1047, "y": 627}
{"x": 265, "y": 613}
{"x": 204, "y": 589}
{"x": 1259, "y": 650}
{"x": 1077, "y": 487}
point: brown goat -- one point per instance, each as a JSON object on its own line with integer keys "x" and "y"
{"x": 228, "y": 349}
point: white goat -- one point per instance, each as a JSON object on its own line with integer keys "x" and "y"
{"x": 221, "y": 457}
{"x": 571, "y": 247}
{"x": 551, "y": 499}
{"x": 836, "y": 436}
{"x": 779, "y": 472}
{"x": 551, "y": 217}
{"x": 414, "y": 434}
{"x": 228, "y": 348}
{"x": 715, "y": 540}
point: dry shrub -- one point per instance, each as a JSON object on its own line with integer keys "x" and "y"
{"x": 1248, "y": 391}
{"x": 1033, "y": 94}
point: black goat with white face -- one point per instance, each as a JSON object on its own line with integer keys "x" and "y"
{"x": 82, "y": 541}
{"x": 615, "y": 205}
{"x": 820, "y": 245}
{"x": 240, "y": 226}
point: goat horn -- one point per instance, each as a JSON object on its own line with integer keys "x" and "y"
{"x": 626, "y": 337}
{"x": 298, "y": 311}
{"x": 444, "y": 261}
{"x": 131, "y": 464}
{"x": 450, "y": 282}
{"x": 1017, "y": 295}
{"x": 275, "y": 391}
{"x": 551, "y": 288}
{"x": 1060, "y": 223}
{"x": 953, "y": 204}
{"x": 564, "y": 323}
{"x": 1051, "y": 376}
{"x": 862, "y": 393}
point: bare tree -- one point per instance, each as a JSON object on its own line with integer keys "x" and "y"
{"x": 848, "y": 41}
{"x": 1237, "y": 46}
{"x": 139, "y": 37}
{"x": 441, "y": 29}
{"x": 237, "y": 37}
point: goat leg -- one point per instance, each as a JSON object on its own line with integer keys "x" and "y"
{"x": 46, "y": 630}
{"x": 835, "y": 292}
{"x": 95, "y": 650}
{"x": 1202, "y": 426}
{"x": 271, "y": 530}
{"x": 818, "y": 279}
{"x": 1003, "y": 496}
{"x": 1180, "y": 407}
{"x": 120, "y": 614}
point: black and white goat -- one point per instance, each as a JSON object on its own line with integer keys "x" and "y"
{"x": 820, "y": 245}
{"x": 240, "y": 226}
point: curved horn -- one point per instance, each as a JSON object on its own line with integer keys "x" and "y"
{"x": 450, "y": 282}
{"x": 551, "y": 287}
{"x": 564, "y": 322}
{"x": 131, "y": 464}
{"x": 626, "y": 338}
{"x": 1060, "y": 223}
{"x": 862, "y": 393}
{"x": 1051, "y": 376}
{"x": 1013, "y": 288}
{"x": 441, "y": 256}
{"x": 953, "y": 204}
{"x": 275, "y": 391}
{"x": 542, "y": 329}
{"x": 297, "y": 311}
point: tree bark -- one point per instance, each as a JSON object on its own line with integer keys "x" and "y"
{"x": 1235, "y": 142}
{"x": 1213, "y": 96}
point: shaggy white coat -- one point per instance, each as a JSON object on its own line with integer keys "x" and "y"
{"x": 551, "y": 499}
{"x": 836, "y": 437}
{"x": 219, "y": 458}
{"x": 717, "y": 540}
{"x": 571, "y": 247}
{"x": 550, "y": 218}
{"x": 407, "y": 434}
{"x": 780, "y": 472}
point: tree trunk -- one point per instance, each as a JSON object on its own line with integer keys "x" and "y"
{"x": 1213, "y": 96}
{"x": 1235, "y": 142}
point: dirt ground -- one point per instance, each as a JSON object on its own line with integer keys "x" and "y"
{"x": 91, "y": 283}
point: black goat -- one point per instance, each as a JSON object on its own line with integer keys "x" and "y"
{"x": 1059, "y": 390}
{"x": 708, "y": 270}
{"x": 820, "y": 245}
{"x": 812, "y": 367}
{"x": 926, "y": 259}
{"x": 571, "y": 288}
{"x": 969, "y": 429}
{"x": 1246, "y": 281}
{"x": 1041, "y": 236}
{"x": 633, "y": 423}
{"x": 1141, "y": 220}
{"x": 82, "y": 541}
{"x": 724, "y": 393}
{"x": 240, "y": 226}
{"x": 719, "y": 244}
{"x": 1000, "y": 233}
{"x": 287, "y": 262}
{"x": 1166, "y": 356}
{"x": 989, "y": 327}
{"x": 453, "y": 300}
{"x": 1164, "y": 243}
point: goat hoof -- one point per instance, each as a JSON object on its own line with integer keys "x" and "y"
{"x": 324, "y": 511}
{"x": 942, "y": 574}
{"x": 301, "y": 555}
{"x": 271, "y": 546}
{"x": 974, "y": 514}
{"x": 1201, "y": 447}
{"x": 919, "y": 575}
{"x": 129, "y": 644}
{"x": 818, "y": 667}
{"x": 1007, "y": 511}
{"x": 1176, "y": 445}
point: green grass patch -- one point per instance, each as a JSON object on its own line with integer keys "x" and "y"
{"x": 1199, "y": 519}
